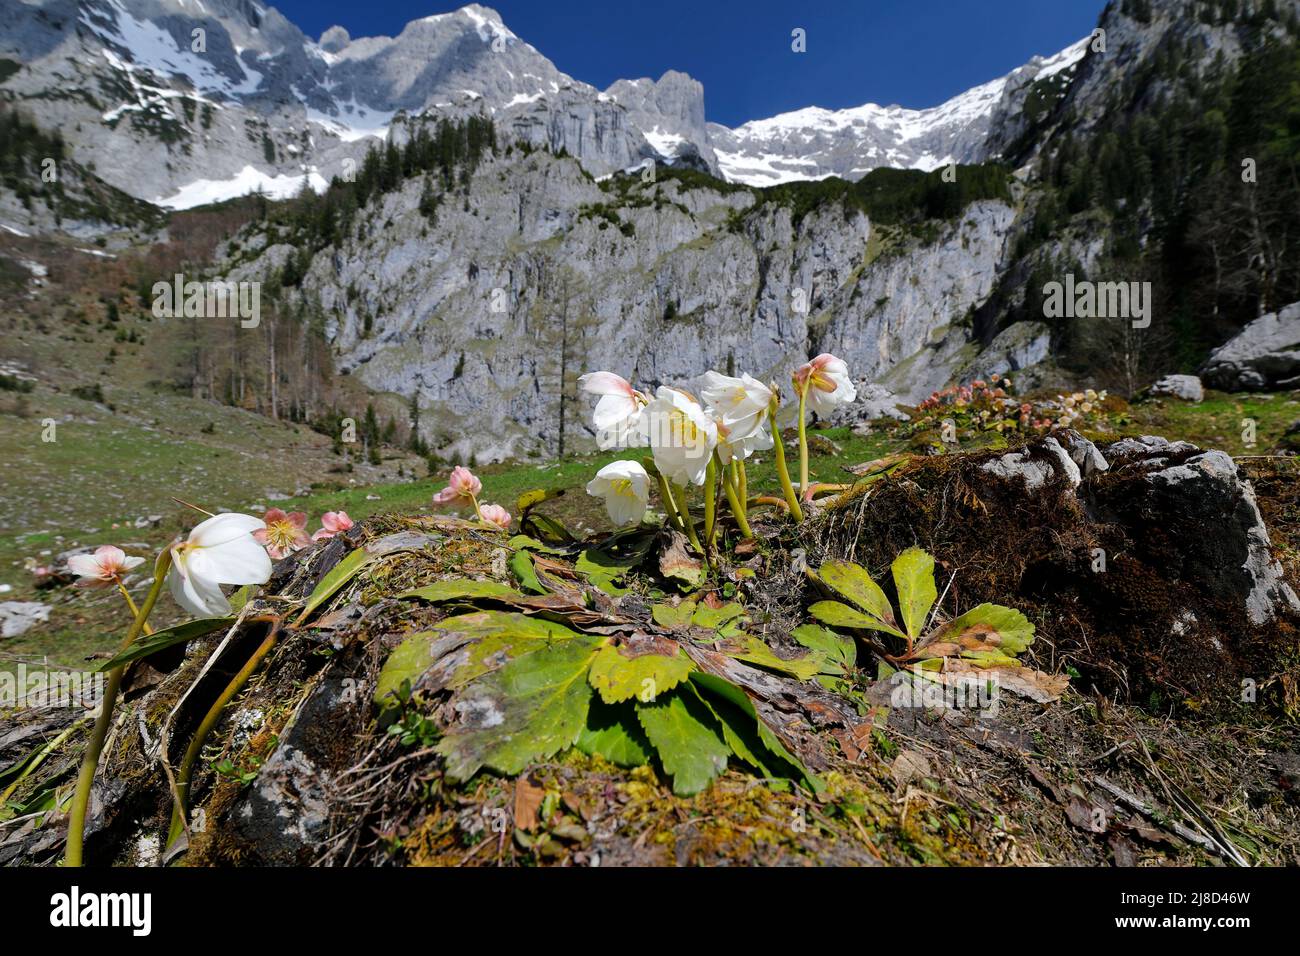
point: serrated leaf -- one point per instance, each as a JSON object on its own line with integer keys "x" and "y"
{"x": 167, "y": 637}
{"x": 332, "y": 583}
{"x": 728, "y": 692}
{"x": 990, "y": 633}
{"x": 613, "y": 732}
{"x": 686, "y": 738}
{"x": 521, "y": 566}
{"x": 460, "y": 589}
{"x": 752, "y": 650}
{"x": 619, "y": 677}
{"x": 913, "y": 572}
{"x": 530, "y": 709}
{"x": 852, "y": 582}
{"x": 491, "y": 638}
{"x": 837, "y": 614}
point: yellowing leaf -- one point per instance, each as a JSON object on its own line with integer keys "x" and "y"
{"x": 914, "y": 578}
{"x": 989, "y": 632}
{"x": 619, "y": 677}
{"x": 853, "y": 583}
{"x": 841, "y": 615}
{"x": 751, "y": 650}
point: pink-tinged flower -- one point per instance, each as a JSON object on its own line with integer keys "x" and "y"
{"x": 106, "y": 566}
{"x": 332, "y": 523}
{"x": 826, "y": 381}
{"x": 462, "y": 488}
{"x": 283, "y": 533}
{"x": 617, "y": 418}
{"x": 495, "y": 514}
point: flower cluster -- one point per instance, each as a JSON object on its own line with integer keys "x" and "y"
{"x": 699, "y": 442}
{"x": 463, "y": 489}
{"x": 1078, "y": 409}
{"x": 983, "y": 405}
{"x": 989, "y": 406}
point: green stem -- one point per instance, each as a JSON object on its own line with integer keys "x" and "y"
{"x": 791, "y": 499}
{"x": 670, "y": 506}
{"x": 684, "y": 512}
{"x": 742, "y": 486}
{"x": 39, "y": 759}
{"x": 209, "y": 721}
{"x": 711, "y": 500}
{"x": 135, "y": 611}
{"x": 90, "y": 760}
{"x": 803, "y": 442}
{"x": 737, "y": 510}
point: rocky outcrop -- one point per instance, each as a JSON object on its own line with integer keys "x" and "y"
{"x": 1263, "y": 355}
{"x": 1185, "y": 387}
{"x": 540, "y": 274}
{"x": 1147, "y": 560}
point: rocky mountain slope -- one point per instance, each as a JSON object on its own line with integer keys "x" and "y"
{"x": 221, "y": 98}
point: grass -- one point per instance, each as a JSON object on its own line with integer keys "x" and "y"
{"x": 111, "y": 469}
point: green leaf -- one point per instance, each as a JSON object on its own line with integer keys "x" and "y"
{"x": 168, "y": 637}
{"x": 522, "y": 542}
{"x": 837, "y": 654}
{"x": 990, "y": 633}
{"x": 407, "y": 663}
{"x": 532, "y": 708}
{"x": 854, "y": 583}
{"x": 613, "y": 732}
{"x": 521, "y": 566}
{"x": 602, "y": 571}
{"x": 459, "y": 589}
{"x": 686, "y": 738}
{"x": 785, "y": 763}
{"x": 841, "y": 615}
{"x": 674, "y": 618}
{"x": 914, "y": 578}
{"x": 620, "y": 678}
{"x": 547, "y": 529}
{"x": 717, "y": 618}
{"x": 753, "y": 651}
{"x": 530, "y": 499}
{"x": 495, "y": 637}
{"x": 332, "y": 583}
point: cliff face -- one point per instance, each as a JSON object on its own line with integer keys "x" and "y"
{"x": 537, "y": 273}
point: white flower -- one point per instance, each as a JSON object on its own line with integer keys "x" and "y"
{"x": 220, "y": 550}
{"x": 740, "y": 404}
{"x": 617, "y": 417}
{"x": 625, "y": 486}
{"x": 730, "y": 447}
{"x": 681, "y": 435}
{"x": 827, "y": 380}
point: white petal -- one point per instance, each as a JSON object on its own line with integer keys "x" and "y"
{"x": 240, "y": 561}
{"x": 129, "y": 563}
{"x": 200, "y": 598}
{"x": 84, "y": 566}
{"x": 219, "y": 529}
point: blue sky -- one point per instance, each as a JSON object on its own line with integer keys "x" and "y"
{"x": 916, "y": 53}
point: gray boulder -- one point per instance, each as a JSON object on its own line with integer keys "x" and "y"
{"x": 18, "y": 617}
{"x": 1186, "y": 387}
{"x": 1265, "y": 355}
